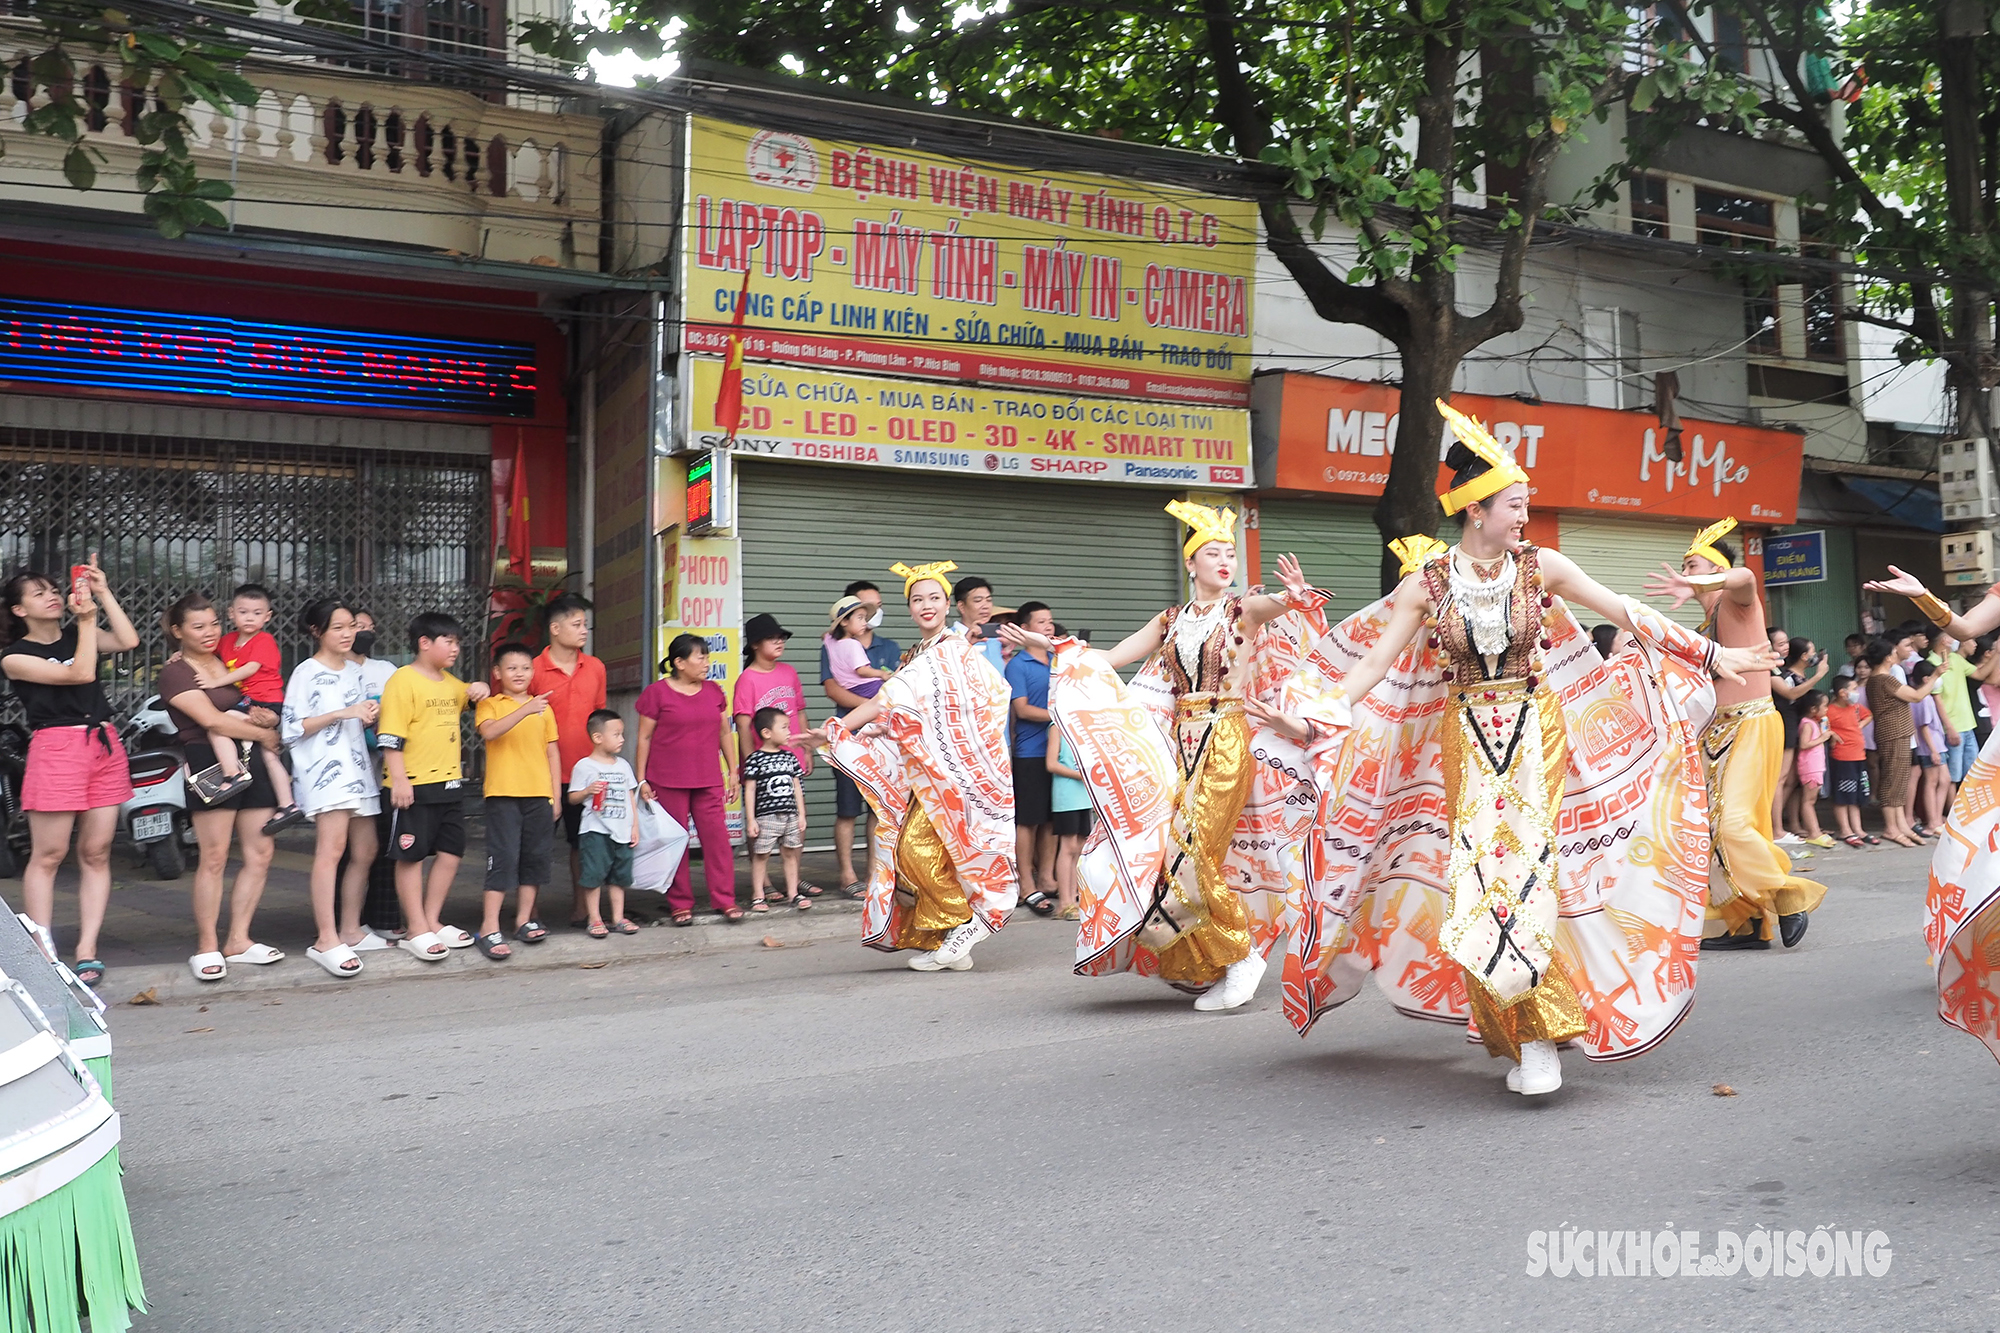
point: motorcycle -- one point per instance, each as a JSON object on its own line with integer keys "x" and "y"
{"x": 156, "y": 817}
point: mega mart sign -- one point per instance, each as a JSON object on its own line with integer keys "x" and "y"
{"x": 1340, "y": 435}
{"x": 877, "y": 259}
{"x": 828, "y": 417}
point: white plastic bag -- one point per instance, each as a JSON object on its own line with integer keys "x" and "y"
{"x": 662, "y": 844}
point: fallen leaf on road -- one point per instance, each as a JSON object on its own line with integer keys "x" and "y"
{"x": 202, "y": 1010}
{"x": 1723, "y": 1090}
{"x": 592, "y": 967}
{"x": 267, "y": 1003}
{"x": 150, "y": 995}
{"x": 201, "y": 1029}
{"x": 773, "y": 942}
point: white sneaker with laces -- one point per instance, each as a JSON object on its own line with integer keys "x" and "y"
{"x": 1540, "y": 1070}
{"x": 925, "y": 962}
{"x": 1238, "y": 984}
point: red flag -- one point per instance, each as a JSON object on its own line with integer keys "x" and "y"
{"x": 518, "y": 540}
{"x": 729, "y": 394}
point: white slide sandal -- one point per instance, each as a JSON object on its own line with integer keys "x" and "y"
{"x": 258, "y": 955}
{"x": 202, "y": 963}
{"x": 370, "y": 941}
{"x": 420, "y": 946}
{"x": 339, "y": 961}
{"x": 454, "y": 938}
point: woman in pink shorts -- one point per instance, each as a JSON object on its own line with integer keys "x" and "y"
{"x": 77, "y": 776}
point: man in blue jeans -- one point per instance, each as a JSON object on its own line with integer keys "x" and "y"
{"x": 848, "y": 803}
{"x": 1034, "y": 832}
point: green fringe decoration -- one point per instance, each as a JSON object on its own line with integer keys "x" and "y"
{"x": 71, "y": 1254}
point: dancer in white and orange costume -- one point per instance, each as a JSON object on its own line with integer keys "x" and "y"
{"x": 929, "y": 753}
{"x": 1200, "y": 814}
{"x": 1517, "y": 833}
{"x": 1962, "y": 909}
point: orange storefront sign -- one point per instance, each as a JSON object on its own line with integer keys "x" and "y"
{"x": 1338, "y": 436}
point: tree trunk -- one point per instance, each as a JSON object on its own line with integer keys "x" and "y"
{"x": 1409, "y": 504}
{"x": 1969, "y": 356}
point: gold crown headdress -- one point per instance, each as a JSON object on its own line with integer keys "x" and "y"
{"x": 1416, "y": 552}
{"x": 1504, "y": 470}
{"x": 915, "y": 574}
{"x": 1703, "y": 544}
{"x": 1210, "y": 525}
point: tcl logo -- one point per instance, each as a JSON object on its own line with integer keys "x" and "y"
{"x": 1225, "y": 476}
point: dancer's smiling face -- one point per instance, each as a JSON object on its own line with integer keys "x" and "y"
{"x": 1505, "y": 515}
{"x": 929, "y": 603}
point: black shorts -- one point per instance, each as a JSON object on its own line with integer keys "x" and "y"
{"x": 572, "y": 822}
{"x": 427, "y": 829}
{"x": 520, "y": 834}
{"x": 1850, "y": 781}
{"x": 1032, "y": 790}
{"x": 848, "y": 802}
{"x": 1070, "y": 823}
{"x": 259, "y": 795}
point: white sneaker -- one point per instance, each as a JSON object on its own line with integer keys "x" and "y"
{"x": 925, "y": 961}
{"x": 1238, "y": 984}
{"x": 960, "y": 941}
{"x": 1540, "y": 1070}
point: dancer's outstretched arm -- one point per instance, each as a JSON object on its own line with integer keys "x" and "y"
{"x": 1981, "y": 619}
{"x": 1561, "y": 576}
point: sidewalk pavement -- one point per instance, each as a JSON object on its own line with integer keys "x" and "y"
{"x": 149, "y": 934}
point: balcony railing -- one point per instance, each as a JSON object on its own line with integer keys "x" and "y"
{"x": 364, "y": 143}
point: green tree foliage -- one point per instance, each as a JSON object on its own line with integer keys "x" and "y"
{"x": 179, "y": 64}
{"x": 1378, "y": 113}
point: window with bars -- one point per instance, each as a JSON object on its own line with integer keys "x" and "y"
{"x": 1744, "y": 222}
{"x": 1820, "y": 294}
{"x": 450, "y": 27}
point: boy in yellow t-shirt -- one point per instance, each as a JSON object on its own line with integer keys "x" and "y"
{"x": 523, "y": 774}
{"x": 418, "y": 733}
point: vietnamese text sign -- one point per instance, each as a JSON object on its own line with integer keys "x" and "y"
{"x": 827, "y": 417}
{"x": 1796, "y": 557}
{"x": 883, "y": 259}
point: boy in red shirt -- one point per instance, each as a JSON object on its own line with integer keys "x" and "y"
{"x": 251, "y": 655}
{"x": 1845, "y": 716}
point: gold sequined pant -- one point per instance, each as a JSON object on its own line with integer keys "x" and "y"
{"x": 929, "y": 898}
{"x": 1213, "y": 740}
{"x": 1744, "y": 749}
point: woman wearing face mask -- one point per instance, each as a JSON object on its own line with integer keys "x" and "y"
{"x": 929, "y": 753}
{"x": 1204, "y": 822}
{"x": 1458, "y": 764}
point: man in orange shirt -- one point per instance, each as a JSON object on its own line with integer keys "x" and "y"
{"x": 574, "y": 682}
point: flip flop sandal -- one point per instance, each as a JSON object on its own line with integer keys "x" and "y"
{"x": 804, "y": 903}
{"x": 597, "y": 930}
{"x": 339, "y": 961}
{"x": 773, "y": 896}
{"x": 856, "y": 891}
{"x": 208, "y": 967}
{"x": 531, "y": 932}
{"x": 1871, "y": 840}
{"x": 624, "y": 927}
{"x": 810, "y": 890}
{"x": 1040, "y": 903}
{"x": 422, "y": 946}
{"x": 89, "y": 971}
{"x": 683, "y": 918}
{"x": 1854, "y": 842}
{"x": 733, "y": 915}
{"x": 286, "y": 816}
{"x": 490, "y": 945}
{"x": 761, "y": 905}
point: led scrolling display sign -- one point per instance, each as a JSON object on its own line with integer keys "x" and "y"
{"x": 43, "y": 342}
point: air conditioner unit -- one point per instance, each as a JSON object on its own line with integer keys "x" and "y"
{"x": 1967, "y": 558}
{"x": 1965, "y": 481}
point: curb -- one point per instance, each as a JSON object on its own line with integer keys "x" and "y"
{"x": 175, "y": 984}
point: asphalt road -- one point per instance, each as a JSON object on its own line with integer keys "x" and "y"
{"x": 817, "y": 1138}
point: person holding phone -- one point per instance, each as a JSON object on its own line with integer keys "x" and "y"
{"x": 77, "y": 775}
{"x": 1789, "y": 684}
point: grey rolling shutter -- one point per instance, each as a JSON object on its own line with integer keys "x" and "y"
{"x": 1336, "y": 544}
{"x": 1620, "y": 554}
{"x": 1104, "y": 558}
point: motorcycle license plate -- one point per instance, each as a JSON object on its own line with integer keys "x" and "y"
{"x": 148, "y": 828}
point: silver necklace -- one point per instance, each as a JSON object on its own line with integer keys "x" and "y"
{"x": 1484, "y": 604}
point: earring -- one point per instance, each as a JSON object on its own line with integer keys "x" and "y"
{"x": 1478, "y": 522}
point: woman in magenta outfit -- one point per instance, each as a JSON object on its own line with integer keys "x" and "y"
{"x": 686, "y": 762}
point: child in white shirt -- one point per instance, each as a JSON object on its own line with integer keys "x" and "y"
{"x": 603, "y": 785}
